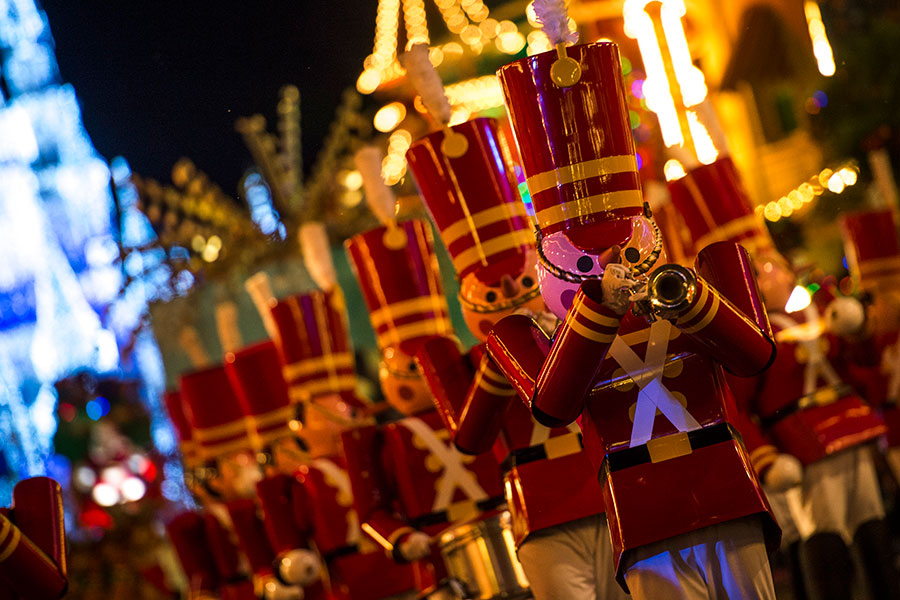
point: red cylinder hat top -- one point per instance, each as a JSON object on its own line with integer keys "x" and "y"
{"x": 715, "y": 207}
{"x": 215, "y": 413}
{"x": 474, "y": 201}
{"x": 180, "y": 423}
{"x": 315, "y": 347}
{"x": 575, "y": 144}
{"x": 872, "y": 248}
{"x": 398, "y": 273}
{"x": 255, "y": 375}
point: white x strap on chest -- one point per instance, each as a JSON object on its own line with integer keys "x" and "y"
{"x": 454, "y": 475}
{"x": 339, "y": 478}
{"x": 818, "y": 366}
{"x": 890, "y": 366}
{"x": 647, "y": 375}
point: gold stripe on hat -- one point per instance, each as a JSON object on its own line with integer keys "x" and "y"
{"x": 598, "y": 167}
{"x": 590, "y": 205}
{"x": 489, "y": 216}
{"x": 279, "y": 415}
{"x": 732, "y": 229}
{"x": 501, "y": 243}
{"x": 597, "y": 317}
{"x": 493, "y": 389}
{"x": 214, "y": 451}
{"x": 488, "y": 371}
{"x": 337, "y": 384}
{"x": 431, "y": 326}
{"x": 13, "y": 543}
{"x": 404, "y": 308}
{"x": 310, "y": 366}
{"x": 878, "y": 264}
{"x": 220, "y": 431}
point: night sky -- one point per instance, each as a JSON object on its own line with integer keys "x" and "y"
{"x": 160, "y": 80}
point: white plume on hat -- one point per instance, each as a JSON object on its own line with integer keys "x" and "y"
{"x": 317, "y": 254}
{"x": 553, "y": 15}
{"x": 425, "y": 79}
{"x": 379, "y": 196}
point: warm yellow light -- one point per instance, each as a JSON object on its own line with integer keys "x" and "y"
{"x": 531, "y": 15}
{"x": 510, "y": 43}
{"x": 784, "y": 205}
{"x": 703, "y": 144}
{"x": 210, "y": 253}
{"x": 657, "y": 91}
{"x": 824, "y": 176}
{"x": 795, "y": 199}
{"x": 821, "y": 46}
{"x": 489, "y": 28}
{"x": 368, "y": 81}
{"x": 352, "y": 180}
{"x": 389, "y": 116}
{"x": 798, "y": 300}
{"x": 806, "y": 192}
{"x": 538, "y": 42}
{"x": 198, "y": 243}
{"x": 835, "y": 184}
{"x": 848, "y": 175}
{"x": 436, "y": 56}
{"x": 690, "y": 78}
{"x": 470, "y": 35}
{"x": 215, "y": 242}
{"x": 772, "y": 212}
{"x": 673, "y": 170}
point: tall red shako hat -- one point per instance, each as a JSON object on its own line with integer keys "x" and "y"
{"x": 715, "y": 208}
{"x": 467, "y": 183}
{"x": 186, "y": 442}
{"x": 872, "y": 249}
{"x": 255, "y": 375}
{"x": 397, "y": 270}
{"x": 569, "y": 116}
{"x": 315, "y": 346}
{"x": 215, "y": 413}
{"x": 474, "y": 201}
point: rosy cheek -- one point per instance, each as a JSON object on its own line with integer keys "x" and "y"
{"x": 406, "y": 392}
{"x": 485, "y": 326}
{"x": 566, "y": 299}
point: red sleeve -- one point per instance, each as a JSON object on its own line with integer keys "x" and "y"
{"x": 489, "y": 397}
{"x": 448, "y": 374}
{"x": 762, "y": 450}
{"x": 373, "y": 490}
{"x": 275, "y": 494}
{"x": 251, "y": 535}
{"x": 187, "y": 532}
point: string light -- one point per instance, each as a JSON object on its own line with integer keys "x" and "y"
{"x": 673, "y": 170}
{"x": 835, "y": 181}
{"x": 389, "y": 116}
{"x": 393, "y": 167}
{"x": 821, "y": 45}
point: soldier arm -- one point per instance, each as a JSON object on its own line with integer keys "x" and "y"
{"x": 373, "y": 496}
{"x": 448, "y": 374}
{"x": 556, "y": 379}
{"x": 187, "y": 533}
{"x": 489, "y": 397}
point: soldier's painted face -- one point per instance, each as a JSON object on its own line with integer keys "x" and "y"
{"x": 402, "y": 382}
{"x": 235, "y": 476}
{"x": 324, "y": 418}
{"x": 558, "y": 293}
{"x": 512, "y": 287}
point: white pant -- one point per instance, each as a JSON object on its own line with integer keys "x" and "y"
{"x": 721, "y": 561}
{"x": 840, "y": 493}
{"x": 571, "y": 561}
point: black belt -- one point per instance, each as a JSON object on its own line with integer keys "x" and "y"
{"x": 441, "y": 516}
{"x": 804, "y": 402}
{"x": 522, "y": 456}
{"x": 639, "y": 455}
{"x": 342, "y": 551}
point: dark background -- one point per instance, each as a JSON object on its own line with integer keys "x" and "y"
{"x": 159, "y": 80}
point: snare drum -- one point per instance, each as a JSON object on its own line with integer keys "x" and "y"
{"x": 482, "y": 557}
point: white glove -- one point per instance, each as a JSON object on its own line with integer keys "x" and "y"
{"x": 299, "y": 567}
{"x": 845, "y": 316}
{"x": 416, "y": 546}
{"x": 275, "y": 590}
{"x": 784, "y": 473}
{"x": 616, "y": 286}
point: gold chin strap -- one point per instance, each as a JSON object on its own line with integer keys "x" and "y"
{"x": 498, "y": 306}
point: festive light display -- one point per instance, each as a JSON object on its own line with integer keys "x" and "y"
{"x": 833, "y": 180}
{"x": 65, "y": 299}
{"x": 821, "y": 45}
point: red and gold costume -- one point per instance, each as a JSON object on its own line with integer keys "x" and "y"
{"x": 801, "y": 406}
{"x": 873, "y": 256}
{"x": 656, "y": 415}
{"x": 33, "y": 542}
{"x": 187, "y": 532}
{"x": 406, "y": 476}
{"x": 548, "y": 480}
{"x": 224, "y": 442}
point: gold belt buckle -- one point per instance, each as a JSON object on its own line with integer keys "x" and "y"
{"x": 669, "y": 447}
{"x": 462, "y": 511}
{"x": 825, "y": 397}
{"x": 562, "y": 445}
